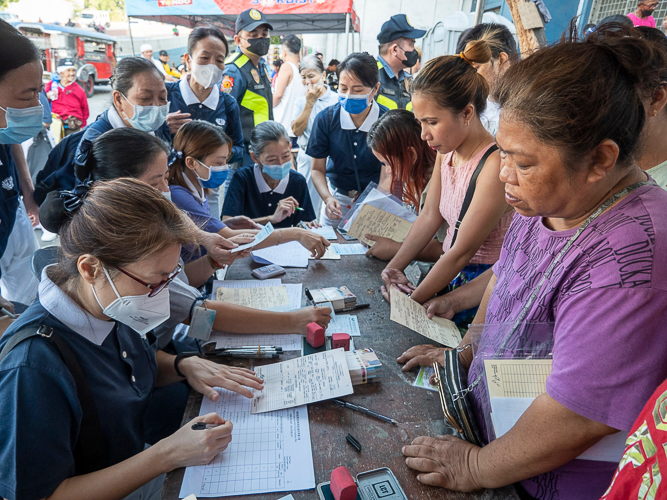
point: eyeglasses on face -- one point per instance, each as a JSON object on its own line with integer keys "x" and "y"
{"x": 155, "y": 289}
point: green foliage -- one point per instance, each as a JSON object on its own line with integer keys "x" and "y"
{"x": 4, "y": 3}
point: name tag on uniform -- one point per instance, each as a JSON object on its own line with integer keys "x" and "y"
{"x": 201, "y": 323}
{"x": 388, "y": 91}
{"x": 406, "y": 94}
{"x": 259, "y": 87}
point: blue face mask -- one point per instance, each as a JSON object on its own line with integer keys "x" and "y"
{"x": 216, "y": 178}
{"x": 22, "y": 124}
{"x": 353, "y": 104}
{"x": 277, "y": 172}
{"x": 147, "y": 118}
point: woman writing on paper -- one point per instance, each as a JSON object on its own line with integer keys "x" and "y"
{"x": 131, "y": 153}
{"x": 448, "y": 96}
{"x": 407, "y": 161}
{"x": 584, "y": 254}
{"x": 199, "y": 161}
{"x": 93, "y": 369}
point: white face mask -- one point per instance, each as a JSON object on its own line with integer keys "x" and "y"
{"x": 139, "y": 312}
{"x": 206, "y": 75}
{"x": 167, "y": 194}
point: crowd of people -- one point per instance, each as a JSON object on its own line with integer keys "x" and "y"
{"x": 538, "y": 185}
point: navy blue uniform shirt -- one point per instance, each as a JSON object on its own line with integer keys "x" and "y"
{"x": 58, "y": 172}
{"x": 250, "y": 195}
{"x": 218, "y": 108}
{"x": 39, "y": 408}
{"x": 9, "y": 180}
{"x": 335, "y": 136}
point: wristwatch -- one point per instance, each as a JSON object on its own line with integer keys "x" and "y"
{"x": 183, "y": 355}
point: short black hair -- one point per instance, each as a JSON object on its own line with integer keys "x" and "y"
{"x": 201, "y": 32}
{"x": 499, "y": 33}
{"x": 17, "y": 49}
{"x": 363, "y": 66}
{"x": 617, "y": 19}
{"x": 334, "y": 62}
{"x": 129, "y": 67}
{"x": 292, "y": 44}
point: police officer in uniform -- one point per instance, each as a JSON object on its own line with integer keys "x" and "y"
{"x": 246, "y": 76}
{"x": 397, "y": 52}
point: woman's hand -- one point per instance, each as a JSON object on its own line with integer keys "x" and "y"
{"x": 383, "y": 249}
{"x": 306, "y": 315}
{"x": 445, "y": 461}
{"x": 313, "y": 93}
{"x": 441, "y": 306}
{"x": 312, "y": 225}
{"x": 187, "y": 447}
{"x": 422, "y": 355}
{"x": 285, "y": 208}
{"x": 218, "y": 247}
{"x": 176, "y": 120}
{"x": 204, "y": 375}
{"x": 241, "y": 222}
{"x": 32, "y": 209}
{"x": 313, "y": 242}
{"x": 333, "y": 209}
{"x": 396, "y": 278}
{"x": 242, "y": 239}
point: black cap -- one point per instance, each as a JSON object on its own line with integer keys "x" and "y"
{"x": 250, "y": 19}
{"x": 164, "y": 53}
{"x": 398, "y": 26}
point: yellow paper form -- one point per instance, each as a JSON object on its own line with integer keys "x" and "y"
{"x": 517, "y": 378}
{"x": 266, "y": 297}
{"x": 412, "y": 315}
{"x": 372, "y": 220}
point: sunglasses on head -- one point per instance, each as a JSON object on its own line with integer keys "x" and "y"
{"x": 155, "y": 289}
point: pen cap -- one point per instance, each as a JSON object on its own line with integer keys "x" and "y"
{"x": 315, "y": 335}
{"x": 342, "y": 484}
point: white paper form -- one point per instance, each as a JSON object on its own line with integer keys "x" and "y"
{"x": 308, "y": 379}
{"x": 329, "y": 254}
{"x": 265, "y": 297}
{"x": 261, "y": 235}
{"x": 294, "y": 290}
{"x": 325, "y": 231}
{"x": 350, "y": 248}
{"x": 290, "y": 254}
{"x": 344, "y": 323}
{"x": 412, "y": 315}
{"x": 269, "y": 452}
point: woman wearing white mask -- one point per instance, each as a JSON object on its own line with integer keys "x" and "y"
{"x": 199, "y": 96}
{"x": 95, "y": 365}
{"x": 138, "y": 100}
{"x": 343, "y": 165}
{"x": 270, "y": 191}
{"x": 201, "y": 153}
{"x": 318, "y": 96}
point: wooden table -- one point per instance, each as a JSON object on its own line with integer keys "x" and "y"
{"x": 417, "y": 410}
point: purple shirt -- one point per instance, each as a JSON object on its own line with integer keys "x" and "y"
{"x": 607, "y": 300}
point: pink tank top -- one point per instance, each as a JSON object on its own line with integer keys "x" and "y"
{"x": 452, "y": 195}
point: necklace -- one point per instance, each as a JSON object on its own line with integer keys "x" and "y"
{"x": 452, "y": 168}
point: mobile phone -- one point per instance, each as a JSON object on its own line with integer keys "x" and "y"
{"x": 266, "y": 272}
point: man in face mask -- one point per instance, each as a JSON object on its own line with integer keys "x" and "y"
{"x": 246, "y": 75}
{"x": 643, "y": 14}
{"x": 397, "y": 53}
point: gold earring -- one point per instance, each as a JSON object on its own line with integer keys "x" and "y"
{"x": 467, "y": 123}
{"x": 655, "y": 112}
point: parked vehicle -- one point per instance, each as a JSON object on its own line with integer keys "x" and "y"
{"x": 93, "y": 53}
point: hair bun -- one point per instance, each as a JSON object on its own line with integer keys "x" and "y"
{"x": 52, "y": 213}
{"x": 477, "y": 51}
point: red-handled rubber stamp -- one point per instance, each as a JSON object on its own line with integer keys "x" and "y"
{"x": 342, "y": 484}
{"x": 340, "y": 340}
{"x": 315, "y": 335}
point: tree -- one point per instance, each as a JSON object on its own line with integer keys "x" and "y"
{"x": 4, "y": 3}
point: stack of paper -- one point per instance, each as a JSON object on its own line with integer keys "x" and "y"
{"x": 290, "y": 254}
{"x": 325, "y": 231}
{"x": 364, "y": 366}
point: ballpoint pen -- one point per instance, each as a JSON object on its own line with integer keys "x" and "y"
{"x": 365, "y": 410}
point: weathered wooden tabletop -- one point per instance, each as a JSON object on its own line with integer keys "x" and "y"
{"x": 417, "y": 410}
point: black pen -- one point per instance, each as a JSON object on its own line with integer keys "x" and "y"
{"x": 361, "y": 409}
{"x": 200, "y": 426}
{"x": 358, "y": 306}
{"x": 309, "y": 296}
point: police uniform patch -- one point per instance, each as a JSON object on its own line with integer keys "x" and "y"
{"x": 255, "y": 75}
{"x": 254, "y": 14}
{"x": 227, "y": 84}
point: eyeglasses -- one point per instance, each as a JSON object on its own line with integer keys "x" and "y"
{"x": 155, "y": 289}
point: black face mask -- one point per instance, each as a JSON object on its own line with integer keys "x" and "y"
{"x": 259, "y": 46}
{"x": 411, "y": 57}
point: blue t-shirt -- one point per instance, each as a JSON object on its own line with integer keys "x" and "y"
{"x": 40, "y": 411}
{"x": 226, "y": 112}
{"x": 345, "y": 148}
{"x": 200, "y": 213}
{"x": 244, "y": 197}
{"x": 9, "y": 180}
